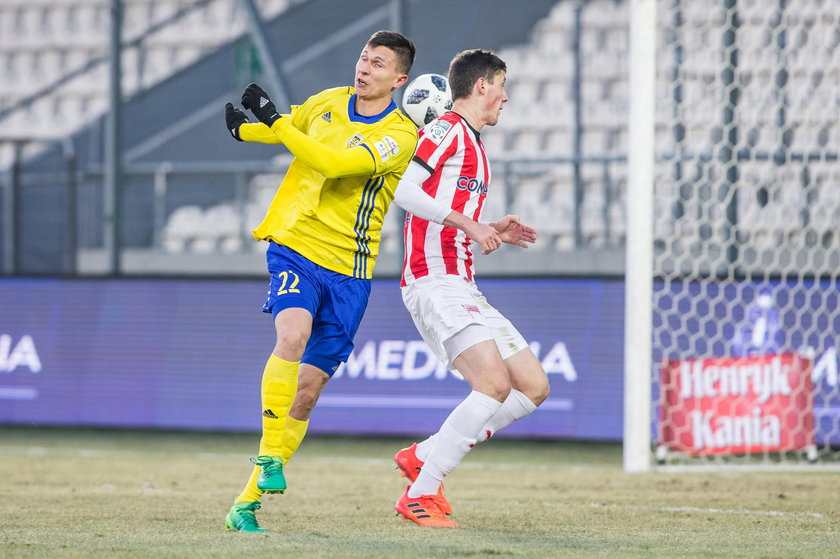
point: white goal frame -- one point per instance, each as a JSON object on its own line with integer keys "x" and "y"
{"x": 638, "y": 295}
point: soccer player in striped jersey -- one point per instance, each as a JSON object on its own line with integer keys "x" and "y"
{"x": 438, "y": 288}
{"x": 350, "y": 147}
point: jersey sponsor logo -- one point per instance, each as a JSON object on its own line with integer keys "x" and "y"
{"x": 391, "y": 144}
{"x": 471, "y": 185}
{"x": 356, "y": 140}
{"x": 327, "y": 116}
{"x": 438, "y": 130}
{"x": 384, "y": 152}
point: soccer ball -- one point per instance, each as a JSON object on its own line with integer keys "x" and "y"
{"x": 427, "y": 97}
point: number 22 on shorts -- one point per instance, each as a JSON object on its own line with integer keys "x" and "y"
{"x": 285, "y": 286}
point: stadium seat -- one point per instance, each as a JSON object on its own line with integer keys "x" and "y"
{"x": 530, "y": 205}
{"x": 560, "y": 17}
{"x": 825, "y": 212}
{"x": 181, "y": 228}
{"x": 557, "y": 230}
{"x": 44, "y": 40}
{"x": 222, "y": 227}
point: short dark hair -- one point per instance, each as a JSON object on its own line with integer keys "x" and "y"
{"x": 402, "y": 46}
{"x": 468, "y": 66}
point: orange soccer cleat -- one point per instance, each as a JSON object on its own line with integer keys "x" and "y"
{"x": 409, "y": 465}
{"x": 424, "y": 510}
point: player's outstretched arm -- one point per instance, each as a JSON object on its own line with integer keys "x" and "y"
{"x": 512, "y": 231}
{"x": 244, "y": 130}
{"x": 329, "y": 162}
{"x": 275, "y": 128}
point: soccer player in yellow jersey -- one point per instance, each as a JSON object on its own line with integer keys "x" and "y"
{"x": 350, "y": 146}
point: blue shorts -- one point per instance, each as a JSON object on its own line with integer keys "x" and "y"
{"x": 336, "y": 302}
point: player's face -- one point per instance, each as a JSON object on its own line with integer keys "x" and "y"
{"x": 376, "y": 73}
{"x": 495, "y": 97}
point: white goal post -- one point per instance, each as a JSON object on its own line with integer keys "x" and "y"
{"x": 639, "y": 244}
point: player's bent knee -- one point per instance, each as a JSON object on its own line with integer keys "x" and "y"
{"x": 537, "y": 391}
{"x": 542, "y": 394}
{"x": 498, "y": 390}
{"x": 504, "y": 390}
{"x": 292, "y": 343}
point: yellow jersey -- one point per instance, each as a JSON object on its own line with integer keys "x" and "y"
{"x": 330, "y": 206}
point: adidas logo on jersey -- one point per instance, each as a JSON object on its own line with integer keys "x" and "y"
{"x": 327, "y": 116}
{"x": 269, "y": 414}
{"x": 263, "y": 102}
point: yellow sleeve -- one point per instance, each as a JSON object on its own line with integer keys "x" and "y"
{"x": 329, "y": 162}
{"x": 376, "y": 156}
{"x": 392, "y": 148}
{"x": 258, "y": 132}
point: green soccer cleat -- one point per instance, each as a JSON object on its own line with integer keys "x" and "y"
{"x": 271, "y": 479}
{"x": 241, "y": 517}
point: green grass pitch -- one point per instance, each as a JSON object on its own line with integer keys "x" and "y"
{"x": 109, "y": 493}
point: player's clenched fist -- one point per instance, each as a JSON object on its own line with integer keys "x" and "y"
{"x": 234, "y": 118}
{"x": 257, "y": 101}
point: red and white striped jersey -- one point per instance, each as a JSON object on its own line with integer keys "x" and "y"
{"x": 451, "y": 150}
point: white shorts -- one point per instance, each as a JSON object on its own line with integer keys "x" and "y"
{"x": 443, "y": 307}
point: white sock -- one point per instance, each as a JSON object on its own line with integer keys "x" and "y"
{"x": 425, "y": 447}
{"x": 453, "y": 441}
{"x": 516, "y": 406}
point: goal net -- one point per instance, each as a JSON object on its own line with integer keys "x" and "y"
{"x": 745, "y": 231}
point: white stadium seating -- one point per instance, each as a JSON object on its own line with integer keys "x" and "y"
{"x": 43, "y": 40}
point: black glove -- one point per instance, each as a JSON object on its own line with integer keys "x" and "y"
{"x": 234, "y": 118}
{"x": 256, "y": 99}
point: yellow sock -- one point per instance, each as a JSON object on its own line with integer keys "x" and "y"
{"x": 292, "y": 436}
{"x": 279, "y": 384}
{"x": 251, "y": 492}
